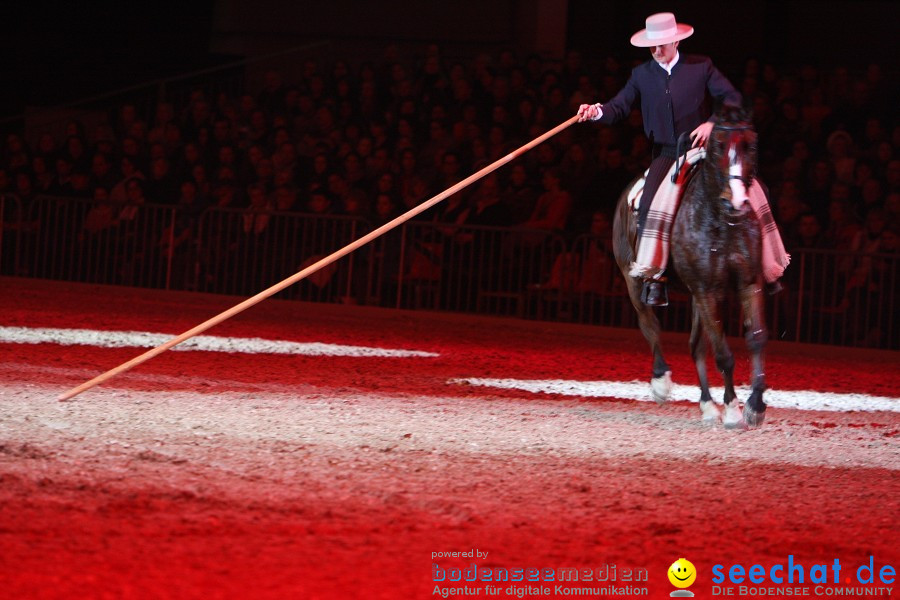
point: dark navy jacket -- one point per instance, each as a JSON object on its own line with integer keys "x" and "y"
{"x": 671, "y": 105}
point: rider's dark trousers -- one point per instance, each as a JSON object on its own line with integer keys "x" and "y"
{"x": 659, "y": 168}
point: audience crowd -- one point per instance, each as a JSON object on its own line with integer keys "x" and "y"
{"x": 377, "y": 138}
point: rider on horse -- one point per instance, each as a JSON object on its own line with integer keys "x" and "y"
{"x": 673, "y": 90}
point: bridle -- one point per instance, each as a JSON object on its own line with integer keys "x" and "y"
{"x": 681, "y": 147}
{"x": 743, "y": 127}
{"x": 732, "y": 127}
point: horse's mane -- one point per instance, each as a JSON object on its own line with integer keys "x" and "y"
{"x": 732, "y": 121}
{"x": 732, "y": 113}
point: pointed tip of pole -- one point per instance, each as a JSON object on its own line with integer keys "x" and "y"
{"x": 65, "y": 396}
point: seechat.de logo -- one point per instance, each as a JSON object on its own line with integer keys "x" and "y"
{"x": 681, "y": 575}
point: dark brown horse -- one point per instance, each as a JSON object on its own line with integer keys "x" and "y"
{"x": 715, "y": 247}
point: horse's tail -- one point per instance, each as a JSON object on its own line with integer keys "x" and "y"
{"x": 624, "y": 230}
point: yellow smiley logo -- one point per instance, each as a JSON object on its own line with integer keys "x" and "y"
{"x": 682, "y": 573}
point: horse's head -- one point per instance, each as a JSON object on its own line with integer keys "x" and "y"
{"x": 731, "y": 153}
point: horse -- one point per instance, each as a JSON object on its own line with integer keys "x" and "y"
{"x": 715, "y": 247}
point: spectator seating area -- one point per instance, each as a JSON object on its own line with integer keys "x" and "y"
{"x": 231, "y": 192}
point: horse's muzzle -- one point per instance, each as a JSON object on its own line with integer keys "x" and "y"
{"x": 736, "y": 215}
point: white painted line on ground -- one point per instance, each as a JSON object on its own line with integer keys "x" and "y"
{"x": 638, "y": 390}
{"x": 206, "y": 343}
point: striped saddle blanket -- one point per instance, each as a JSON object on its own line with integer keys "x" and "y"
{"x": 652, "y": 255}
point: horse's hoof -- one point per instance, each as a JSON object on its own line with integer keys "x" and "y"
{"x": 661, "y": 387}
{"x": 710, "y": 412}
{"x": 753, "y": 418}
{"x": 733, "y": 418}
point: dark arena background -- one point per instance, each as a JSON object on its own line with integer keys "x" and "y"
{"x": 460, "y": 407}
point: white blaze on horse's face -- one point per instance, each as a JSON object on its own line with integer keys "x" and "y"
{"x": 736, "y": 178}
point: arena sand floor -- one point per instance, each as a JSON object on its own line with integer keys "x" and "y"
{"x": 349, "y": 452}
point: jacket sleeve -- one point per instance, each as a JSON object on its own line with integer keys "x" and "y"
{"x": 720, "y": 88}
{"x": 620, "y": 106}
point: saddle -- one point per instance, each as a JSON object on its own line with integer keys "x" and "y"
{"x": 671, "y": 187}
{"x": 652, "y": 253}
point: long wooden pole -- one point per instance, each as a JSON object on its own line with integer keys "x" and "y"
{"x": 316, "y": 266}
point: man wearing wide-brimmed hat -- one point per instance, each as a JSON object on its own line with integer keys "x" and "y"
{"x": 674, "y": 91}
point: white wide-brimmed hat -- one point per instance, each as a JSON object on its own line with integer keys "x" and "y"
{"x": 661, "y": 29}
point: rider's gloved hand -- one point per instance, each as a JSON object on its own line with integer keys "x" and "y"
{"x": 589, "y": 112}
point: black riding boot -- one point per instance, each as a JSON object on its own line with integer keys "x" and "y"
{"x": 654, "y": 290}
{"x": 654, "y": 293}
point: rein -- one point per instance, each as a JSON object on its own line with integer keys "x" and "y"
{"x": 680, "y": 154}
{"x": 681, "y": 147}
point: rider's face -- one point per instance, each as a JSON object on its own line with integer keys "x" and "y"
{"x": 665, "y": 53}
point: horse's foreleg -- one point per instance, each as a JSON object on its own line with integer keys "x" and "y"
{"x": 756, "y": 336}
{"x": 698, "y": 347}
{"x": 661, "y": 379}
{"x": 707, "y": 306}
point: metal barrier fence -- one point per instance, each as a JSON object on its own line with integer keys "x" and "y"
{"x": 844, "y": 299}
{"x": 11, "y": 219}
{"x": 81, "y": 240}
{"x": 486, "y": 270}
{"x": 241, "y": 253}
{"x": 830, "y": 297}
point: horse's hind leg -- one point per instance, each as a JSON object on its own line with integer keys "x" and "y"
{"x": 756, "y": 336}
{"x": 661, "y": 380}
{"x": 707, "y": 306}
{"x": 698, "y": 345}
